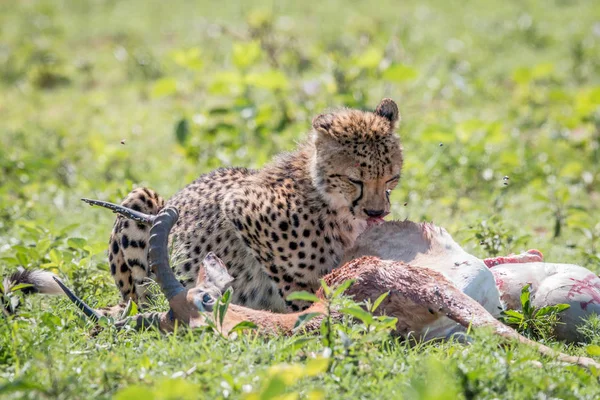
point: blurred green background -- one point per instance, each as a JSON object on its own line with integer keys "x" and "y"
{"x": 500, "y": 104}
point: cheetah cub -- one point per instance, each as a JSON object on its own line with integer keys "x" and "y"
{"x": 281, "y": 228}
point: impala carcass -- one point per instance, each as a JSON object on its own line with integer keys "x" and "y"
{"x": 495, "y": 283}
{"x": 418, "y": 297}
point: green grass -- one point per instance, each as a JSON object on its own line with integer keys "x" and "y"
{"x": 486, "y": 89}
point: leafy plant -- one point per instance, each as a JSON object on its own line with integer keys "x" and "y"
{"x": 494, "y": 238}
{"x": 10, "y": 296}
{"x": 535, "y": 322}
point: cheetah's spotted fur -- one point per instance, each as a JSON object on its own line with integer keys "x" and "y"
{"x": 278, "y": 229}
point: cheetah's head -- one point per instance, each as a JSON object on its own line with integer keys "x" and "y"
{"x": 358, "y": 159}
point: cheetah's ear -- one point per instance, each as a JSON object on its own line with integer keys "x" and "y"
{"x": 213, "y": 273}
{"x": 322, "y": 123}
{"x": 388, "y": 110}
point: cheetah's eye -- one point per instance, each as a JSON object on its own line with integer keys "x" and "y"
{"x": 355, "y": 181}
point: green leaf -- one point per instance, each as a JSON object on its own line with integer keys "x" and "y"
{"x": 544, "y": 311}
{"x": 386, "y": 322}
{"x": 182, "y": 131}
{"x": 244, "y": 325}
{"x": 222, "y": 306}
{"x": 378, "y": 301}
{"x": 304, "y": 318}
{"x": 21, "y": 385}
{"x": 20, "y": 286}
{"x": 299, "y": 343}
{"x": 50, "y": 319}
{"x": 317, "y": 366}
{"x": 76, "y": 243}
{"x": 326, "y": 288}
{"x": 55, "y": 257}
{"x": 274, "y": 388}
{"x": 132, "y": 309}
{"x": 517, "y": 315}
{"x": 135, "y": 393}
{"x": 303, "y": 296}
{"x": 43, "y": 245}
{"x": 325, "y": 332}
{"x": 526, "y": 299}
{"x": 369, "y": 59}
{"x": 554, "y": 309}
{"x": 542, "y": 71}
{"x": 164, "y": 87}
{"x": 399, "y": 73}
{"x": 270, "y": 80}
{"x": 593, "y": 350}
{"x": 561, "y": 307}
{"x": 190, "y": 58}
{"x": 358, "y": 313}
{"x": 522, "y": 75}
{"x": 246, "y": 54}
{"x": 180, "y": 389}
{"x": 226, "y": 82}
{"x": 342, "y": 288}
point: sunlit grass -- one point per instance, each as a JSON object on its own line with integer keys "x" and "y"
{"x": 91, "y": 98}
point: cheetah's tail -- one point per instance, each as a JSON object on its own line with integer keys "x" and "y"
{"x": 137, "y": 216}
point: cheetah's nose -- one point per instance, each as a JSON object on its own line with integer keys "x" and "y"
{"x": 376, "y": 213}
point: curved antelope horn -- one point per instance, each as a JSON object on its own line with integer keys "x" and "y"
{"x": 158, "y": 256}
{"x": 87, "y": 310}
{"x": 137, "y": 216}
